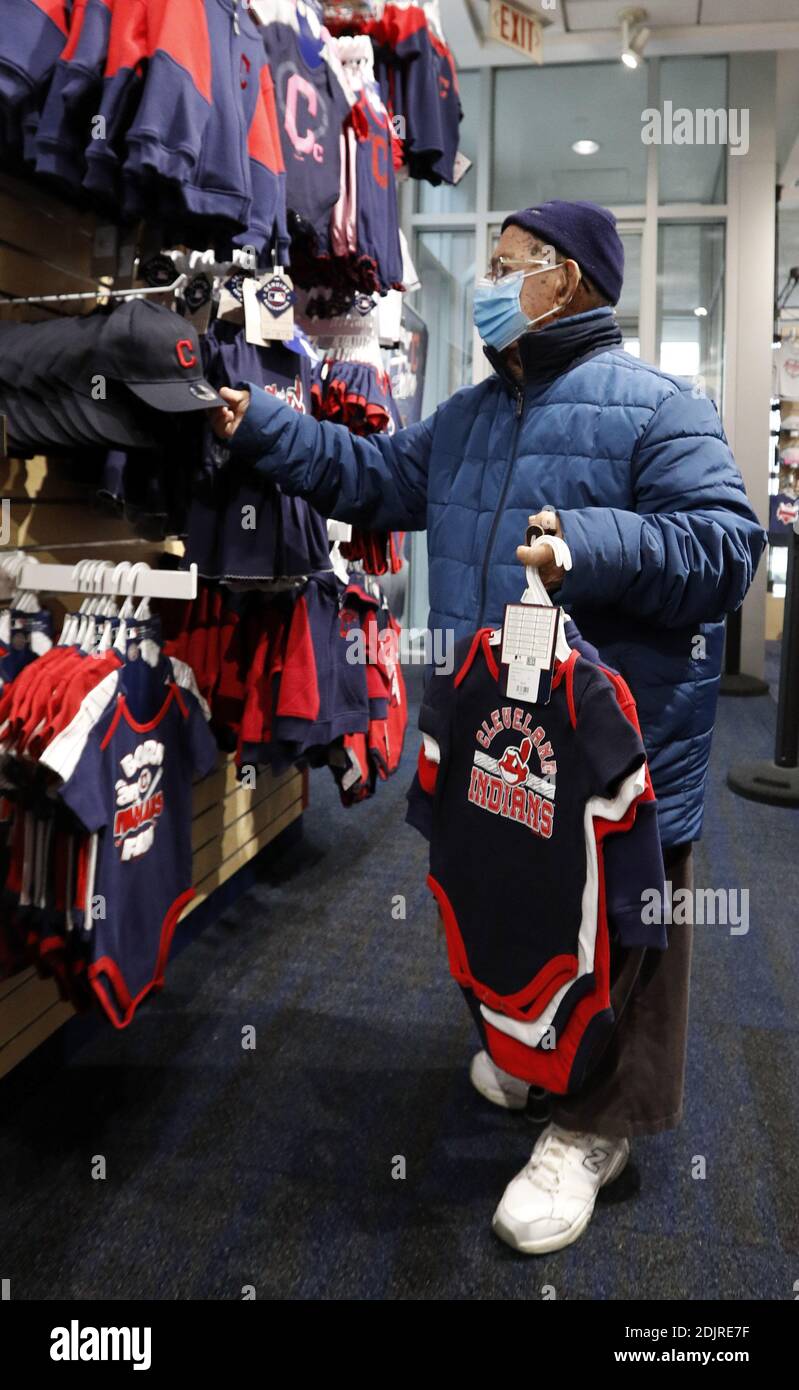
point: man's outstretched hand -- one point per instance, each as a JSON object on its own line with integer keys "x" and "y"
{"x": 226, "y": 419}
{"x": 540, "y": 556}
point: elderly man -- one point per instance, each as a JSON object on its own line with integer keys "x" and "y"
{"x": 631, "y": 467}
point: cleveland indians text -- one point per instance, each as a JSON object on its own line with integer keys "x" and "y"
{"x": 506, "y": 787}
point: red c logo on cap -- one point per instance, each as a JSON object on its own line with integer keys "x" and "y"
{"x": 184, "y": 350}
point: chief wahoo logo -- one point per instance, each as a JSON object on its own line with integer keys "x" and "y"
{"x": 512, "y": 766}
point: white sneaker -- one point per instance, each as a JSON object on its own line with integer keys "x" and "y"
{"x": 497, "y": 1085}
{"x": 550, "y": 1202}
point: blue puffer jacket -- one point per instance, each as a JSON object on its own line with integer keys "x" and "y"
{"x": 652, "y": 506}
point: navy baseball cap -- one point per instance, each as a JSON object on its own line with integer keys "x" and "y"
{"x": 115, "y": 418}
{"x": 156, "y": 353}
{"x": 34, "y": 420}
{"x": 585, "y": 233}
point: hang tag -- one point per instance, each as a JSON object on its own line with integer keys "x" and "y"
{"x": 262, "y": 12}
{"x": 198, "y": 298}
{"x": 364, "y": 304}
{"x": 252, "y": 314}
{"x": 529, "y": 633}
{"x": 231, "y": 300}
{"x": 460, "y": 166}
{"x": 269, "y": 307}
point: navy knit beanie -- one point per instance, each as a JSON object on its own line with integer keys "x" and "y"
{"x": 585, "y": 233}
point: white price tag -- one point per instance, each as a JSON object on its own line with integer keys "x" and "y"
{"x": 252, "y": 314}
{"x": 522, "y": 684}
{"x": 529, "y": 632}
{"x": 461, "y": 165}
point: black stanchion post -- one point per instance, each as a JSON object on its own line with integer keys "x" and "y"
{"x": 777, "y": 782}
{"x": 733, "y": 680}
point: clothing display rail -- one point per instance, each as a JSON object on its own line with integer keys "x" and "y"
{"x": 103, "y": 578}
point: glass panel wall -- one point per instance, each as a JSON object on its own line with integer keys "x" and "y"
{"x": 446, "y": 268}
{"x": 690, "y": 302}
{"x": 540, "y": 113}
{"x": 628, "y": 308}
{"x": 693, "y": 163}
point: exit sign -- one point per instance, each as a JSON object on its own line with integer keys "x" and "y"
{"x": 517, "y": 29}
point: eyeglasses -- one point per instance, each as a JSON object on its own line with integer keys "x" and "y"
{"x": 508, "y": 265}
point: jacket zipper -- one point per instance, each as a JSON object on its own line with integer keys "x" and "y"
{"x": 236, "y": 55}
{"x": 519, "y": 393}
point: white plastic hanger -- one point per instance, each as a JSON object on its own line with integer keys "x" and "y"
{"x": 69, "y": 629}
{"x": 107, "y": 636}
{"x": 98, "y": 608}
{"x": 127, "y": 610}
{"x": 536, "y": 593}
{"x": 130, "y": 616}
{"x": 88, "y": 608}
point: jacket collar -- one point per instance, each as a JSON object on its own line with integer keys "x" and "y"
{"x": 551, "y": 351}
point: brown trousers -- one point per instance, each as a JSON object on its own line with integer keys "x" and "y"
{"x": 636, "y": 1087}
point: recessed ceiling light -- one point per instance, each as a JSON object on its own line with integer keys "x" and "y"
{"x": 585, "y": 147}
{"x": 700, "y": 311}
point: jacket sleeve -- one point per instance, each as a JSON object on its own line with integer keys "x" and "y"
{"x": 380, "y": 482}
{"x": 34, "y": 33}
{"x": 689, "y": 549}
{"x": 74, "y": 91}
{"x": 166, "y": 133}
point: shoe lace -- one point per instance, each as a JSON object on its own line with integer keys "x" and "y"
{"x": 546, "y": 1164}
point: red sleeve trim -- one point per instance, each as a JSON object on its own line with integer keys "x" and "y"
{"x": 428, "y": 773}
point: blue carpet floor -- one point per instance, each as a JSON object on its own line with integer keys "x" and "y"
{"x": 272, "y": 1166}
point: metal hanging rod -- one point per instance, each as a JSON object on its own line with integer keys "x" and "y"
{"x": 102, "y": 292}
{"x": 195, "y": 262}
{"x": 52, "y": 546}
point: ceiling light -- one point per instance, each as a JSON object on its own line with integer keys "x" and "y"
{"x": 634, "y": 36}
{"x": 700, "y": 311}
{"x": 585, "y": 147}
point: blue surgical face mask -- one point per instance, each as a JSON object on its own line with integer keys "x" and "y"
{"x": 498, "y": 314}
